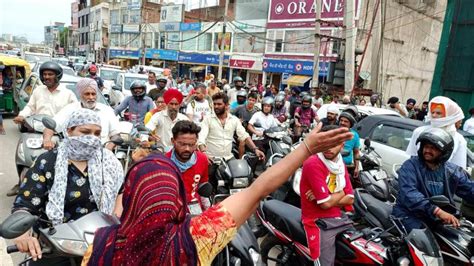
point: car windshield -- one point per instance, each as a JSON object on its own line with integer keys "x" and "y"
{"x": 109, "y": 74}
{"x": 72, "y": 87}
{"x": 69, "y": 71}
{"x": 129, "y": 80}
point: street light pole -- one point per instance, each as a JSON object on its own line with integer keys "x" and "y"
{"x": 317, "y": 44}
{"x": 221, "y": 55}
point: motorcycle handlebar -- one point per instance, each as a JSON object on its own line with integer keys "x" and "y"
{"x": 12, "y": 249}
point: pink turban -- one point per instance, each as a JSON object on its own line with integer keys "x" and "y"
{"x": 86, "y": 83}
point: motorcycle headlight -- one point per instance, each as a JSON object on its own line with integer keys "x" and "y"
{"x": 73, "y": 247}
{"x": 256, "y": 258}
{"x": 34, "y": 143}
{"x": 120, "y": 155}
{"x": 240, "y": 182}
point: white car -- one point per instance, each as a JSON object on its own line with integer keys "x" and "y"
{"x": 124, "y": 80}
{"x": 363, "y": 110}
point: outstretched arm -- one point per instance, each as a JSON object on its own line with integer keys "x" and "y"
{"x": 244, "y": 203}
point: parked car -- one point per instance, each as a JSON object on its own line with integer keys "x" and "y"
{"x": 390, "y": 136}
{"x": 124, "y": 80}
{"x": 109, "y": 75}
{"x": 364, "y": 111}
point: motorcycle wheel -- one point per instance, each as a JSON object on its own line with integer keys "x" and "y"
{"x": 272, "y": 250}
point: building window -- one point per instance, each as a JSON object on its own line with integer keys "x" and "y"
{"x": 114, "y": 17}
{"x": 191, "y": 44}
{"x": 124, "y": 16}
{"x": 278, "y": 45}
{"x": 299, "y": 41}
{"x": 134, "y": 16}
{"x": 205, "y": 42}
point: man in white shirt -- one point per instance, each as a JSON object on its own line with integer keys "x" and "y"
{"x": 186, "y": 87}
{"x": 262, "y": 121}
{"x": 163, "y": 122}
{"x": 217, "y": 134}
{"x": 238, "y": 85}
{"x": 87, "y": 89}
{"x": 49, "y": 98}
{"x": 199, "y": 107}
{"x": 151, "y": 84}
{"x": 469, "y": 124}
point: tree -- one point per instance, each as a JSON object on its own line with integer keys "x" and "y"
{"x": 63, "y": 36}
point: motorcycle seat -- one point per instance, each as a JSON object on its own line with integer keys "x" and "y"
{"x": 286, "y": 218}
{"x": 378, "y": 209}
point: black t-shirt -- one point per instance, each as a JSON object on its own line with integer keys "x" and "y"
{"x": 35, "y": 187}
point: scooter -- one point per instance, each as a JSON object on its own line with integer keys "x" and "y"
{"x": 372, "y": 177}
{"x": 68, "y": 240}
{"x": 287, "y": 235}
{"x": 243, "y": 249}
{"x": 30, "y": 144}
{"x": 418, "y": 247}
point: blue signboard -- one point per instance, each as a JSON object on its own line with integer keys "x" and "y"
{"x": 119, "y": 53}
{"x": 293, "y": 67}
{"x": 169, "y": 26}
{"x": 190, "y": 26}
{"x": 171, "y": 55}
{"x": 211, "y": 59}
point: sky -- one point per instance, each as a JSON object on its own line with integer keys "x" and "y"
{"x": 28, "y": 17}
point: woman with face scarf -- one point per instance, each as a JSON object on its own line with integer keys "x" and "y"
{"x": 443, "y": 113}
{"x": 69, "y": 182}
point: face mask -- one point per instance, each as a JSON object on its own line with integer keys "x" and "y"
{"x": 82, "y": 148}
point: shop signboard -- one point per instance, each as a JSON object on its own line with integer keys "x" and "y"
{"x": 301, "y": 13}
{"x": 171, "y": 55}
{"x": 169, "y": 26}
{"x": 120, "y": 53}
{"x": 293, "y": 67}
{"x": 204, "y": 59}
{"x": 173, "y": 13}
{"x": 131, "y": 28}
{"x": 190, "y": 26}
{"x": 245, "y": 62}
{"x": 116, "y": 28}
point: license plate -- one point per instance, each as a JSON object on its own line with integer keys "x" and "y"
{"x": 380, "y": 175}
{"x": 233, "y": 191}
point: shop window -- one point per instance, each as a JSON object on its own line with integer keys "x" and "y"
{"x": 191, "y": 44}
{"x": 205, "y": 42}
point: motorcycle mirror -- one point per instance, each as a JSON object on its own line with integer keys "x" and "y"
{"x": 17, "y": 224}
{"x": 440, "y": 200}
{"x": 142, "y": 128}
{"x": 117, "y": 141}
{"x": 345, "y": 153}
{"x": 116, "y": 88}
{"x": 205, "y": 190}
{"x": 367, "y": 143}
{"x": 287, "y": 140}
{"x": 257, "y": 124}
{"x": 49, "y": 123}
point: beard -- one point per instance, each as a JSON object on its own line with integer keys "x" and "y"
{"x": 184, "y": 156}
{"x": 219, "y": 111}
{"x": 172, "y": 113}
{"x": 88, "y": 104}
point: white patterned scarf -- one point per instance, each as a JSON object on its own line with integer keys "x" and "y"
{"x": 104, "y": 171}
{"x": 336, "y": 168}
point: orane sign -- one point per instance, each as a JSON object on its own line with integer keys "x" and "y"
{"x": 284, "y": 12}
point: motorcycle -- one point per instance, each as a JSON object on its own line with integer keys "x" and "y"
{"x": 243, "y": 249}
{"x": 30, "y": 144}
{"x": 114, "y": 95}
{"x": 288, "y": 236}
{"x": 68, "y": 240}
{"x": 417, "y": 247}
{"x": 372, "y": 177}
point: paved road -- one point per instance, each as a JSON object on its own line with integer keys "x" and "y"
{"x": 8, "y": 177}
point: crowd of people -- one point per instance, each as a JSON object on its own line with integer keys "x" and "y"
{"x": 193, "y": 123}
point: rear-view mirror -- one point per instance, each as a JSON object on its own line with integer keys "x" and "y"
{"x": 440, "y": 200}
{"x": 17, "y": 224}
{"x": 49, "y": 123}
{"x": 367, "y": 143}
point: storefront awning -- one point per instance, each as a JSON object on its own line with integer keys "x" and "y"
{"x": 198, "y": 69}
{"x": 297, "y": 80}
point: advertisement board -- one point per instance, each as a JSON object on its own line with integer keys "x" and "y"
{"x": 173, "y": 13}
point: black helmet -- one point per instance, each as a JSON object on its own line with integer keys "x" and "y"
{"x": 352, "y": 109}
{"x": 138, "y": 84}
{"x": 242, "y": 93}
{"x": 238, "y": 79}
{"x": 438, "y": 137}
{"x": 306, "y": 98}
{"x": 303, "y": 94}
{"x": 349, "y": 117}
{"x": 52, "y": 66}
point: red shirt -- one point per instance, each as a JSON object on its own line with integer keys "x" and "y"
{"x": 194, "y": 176}
{"x": 313, "y": 179}
{"x": 313, "y": 184}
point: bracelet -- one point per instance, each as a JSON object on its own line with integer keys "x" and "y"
{"x": 307, "y": 147}
{"x": 437, "y": 210}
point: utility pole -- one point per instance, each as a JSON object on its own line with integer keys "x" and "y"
{"x": 221, "y": 55}
{"x": 317, "y": 44}
{"x": 142, "y": 33}
{"x": 349, "y": 55}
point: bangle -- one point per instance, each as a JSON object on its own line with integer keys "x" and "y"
{"x": 307, "y": 147}
{"x": 436, "y": 211}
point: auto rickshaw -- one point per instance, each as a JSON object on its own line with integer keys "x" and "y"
{"x": 13, "y": 73}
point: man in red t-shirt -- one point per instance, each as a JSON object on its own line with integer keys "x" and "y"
{"x": 325, "y": 188}
{"x": 192, "y": 164}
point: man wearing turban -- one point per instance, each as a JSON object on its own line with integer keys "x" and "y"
{"x": 162, "y": 122}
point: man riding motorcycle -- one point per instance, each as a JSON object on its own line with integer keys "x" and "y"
{"x": 138, "y": 104}
{"x": 238, "y": 85}
{"x": 265, "y": 120}
{"x": 430, "y": 174}
{"x": 93, "y": 75}
{"x": 280, "y": 112}
{"x": 160, "y": 89}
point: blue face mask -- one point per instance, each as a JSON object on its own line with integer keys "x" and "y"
{"x": 183, "y": 166}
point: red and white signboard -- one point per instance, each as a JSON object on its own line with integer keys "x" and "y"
{"x": 245, "y": 62}
{"x": 301, "y": 13}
